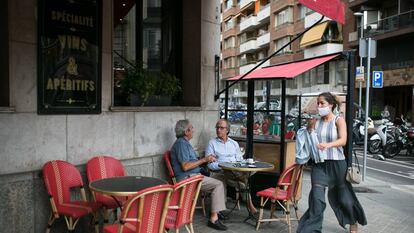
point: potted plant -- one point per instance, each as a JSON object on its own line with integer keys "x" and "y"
{"x": 150, "y": 88}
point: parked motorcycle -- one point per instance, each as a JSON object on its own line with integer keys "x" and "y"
{"x": 403, "y": 139}
{"x": 358, "y": 130}
{"x": 380, "y": 136}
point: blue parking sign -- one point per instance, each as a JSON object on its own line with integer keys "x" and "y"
{"x": 377, "y": 79}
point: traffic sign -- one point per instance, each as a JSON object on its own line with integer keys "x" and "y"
{"x": 377, "y": 79}
{"x": 359, "y": 75}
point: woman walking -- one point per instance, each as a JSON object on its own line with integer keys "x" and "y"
{"x": 331, "y": 133}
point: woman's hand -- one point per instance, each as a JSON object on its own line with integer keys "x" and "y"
{"x": 323, "y": 146}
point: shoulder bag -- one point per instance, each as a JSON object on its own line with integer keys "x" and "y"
{"x": 353, "y": 174}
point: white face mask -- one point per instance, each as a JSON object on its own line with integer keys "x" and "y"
{"x": 324, "y": 111}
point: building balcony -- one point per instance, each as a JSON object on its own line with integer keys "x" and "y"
{"x": 264, "y": 14}
{"x": 230, "y": 12}
{"x": 247, "y": 67}
{"x": 310, "y": 19}
{"x": 263, "y": 40}
{"x": 385, "y": 28}
{"x": 244, "y": 3}
{"x": 248, "y": 46}
{"x": 393, "y": 25}
{"x": 248, "y": 23}
{"x": 323, "y": 49}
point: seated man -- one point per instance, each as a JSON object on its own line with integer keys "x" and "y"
{"x": 185, "y": 164}
{"x": 225, "y": 149}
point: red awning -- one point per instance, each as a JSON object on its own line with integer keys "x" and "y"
{"x": 288, "y": 70}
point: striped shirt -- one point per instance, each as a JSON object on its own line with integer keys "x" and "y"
{"x": 327, "y": 132}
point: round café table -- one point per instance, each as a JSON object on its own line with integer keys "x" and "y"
{"x": 250, "y": 168}
{"x": 124, "y": 185}
{"x": 256, "y": 166}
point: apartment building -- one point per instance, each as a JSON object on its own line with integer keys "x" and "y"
{"x": 254, "y": 29}
{"x": 391, "y": 24}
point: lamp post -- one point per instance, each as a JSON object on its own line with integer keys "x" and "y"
{"x": 360, "y": 14}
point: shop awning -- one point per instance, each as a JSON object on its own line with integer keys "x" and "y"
{"x": 287, "y": 70}
{"x": 314, "y": 35}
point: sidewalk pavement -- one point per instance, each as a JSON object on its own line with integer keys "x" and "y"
{"x": 388, "y": 207}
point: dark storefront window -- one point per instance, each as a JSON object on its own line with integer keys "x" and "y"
{"x": 147, "y": 43}
{"x": 4, "y": 55}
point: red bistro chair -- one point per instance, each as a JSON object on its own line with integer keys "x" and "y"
{"x": 173, "y": 180}
{"x": 284, "y": 194}
{"x": 144, "y": 212}
{"x": 60, "y": 177}
{"x": 170, "y": 171}
{"x": 101, "y": 167}
{"x": 183, "y": 203}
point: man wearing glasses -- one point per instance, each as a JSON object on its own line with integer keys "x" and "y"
{"x": 225, "y": 149}
{"x": 186, "y": 163}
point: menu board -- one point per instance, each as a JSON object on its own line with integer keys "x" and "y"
{"x": 69, "y": 57}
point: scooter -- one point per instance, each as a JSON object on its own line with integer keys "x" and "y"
{"x": 358, "y": 130}
{"x": 380, "y": 136}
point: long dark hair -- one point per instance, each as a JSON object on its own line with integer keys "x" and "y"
{"x": 331, "y": 99}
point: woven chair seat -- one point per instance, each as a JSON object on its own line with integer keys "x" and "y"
{"x": 77, "y": 209}
{"x": 270, "y": 193}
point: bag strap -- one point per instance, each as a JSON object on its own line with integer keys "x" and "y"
{"x": 356, "y": 159}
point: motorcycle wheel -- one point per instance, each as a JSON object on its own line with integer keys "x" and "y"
{"x": 374, "y": 146}
{"x": 391, "y": 149}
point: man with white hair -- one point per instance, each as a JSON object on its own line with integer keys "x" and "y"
{"x": 185, "y": 164}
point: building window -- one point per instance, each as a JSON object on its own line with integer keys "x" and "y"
{"x": 282, "y": 42}
{"x": 148, "y": 35}
{"x": 292, "y": 83}
{"x": 229, "y": 63}
{"x": 341, "y": 71}
{"x": 4, "y": 56}
{"x": 284, "y": 16}
{"x": 229, "y": 24}
{"x": 306, "y": 79}
{"x": 322, "y": 74}
{"x": 247, "y": 59}
{"x": 303, "y": 11}
{"x": 230, "y": 42}
{"x": 262, "y": 55}
{"x": 228, "y": 4}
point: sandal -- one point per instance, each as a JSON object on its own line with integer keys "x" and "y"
{"x": 353, "y": 228}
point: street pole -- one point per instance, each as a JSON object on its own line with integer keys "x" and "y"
{"x": 360, "y": 64}
{"x": 368, "y": 84}
{"x": 359, "y": 14}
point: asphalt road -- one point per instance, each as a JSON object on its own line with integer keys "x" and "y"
{"x": 396, "y": 171}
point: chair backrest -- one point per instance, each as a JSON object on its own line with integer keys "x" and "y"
{"x": 100, "y": 167}
{"x": 183, "y": 202}
{"x": 170, "y": 171}
{"x": 287, "y": 180}
{"x": 146, "y": 210}
{"x": 59, "y": 177}
{"x": 103, "y": 166}
{"x": 297, "y": 183}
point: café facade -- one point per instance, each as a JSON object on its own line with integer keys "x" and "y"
{"x": 62, "y": 68}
